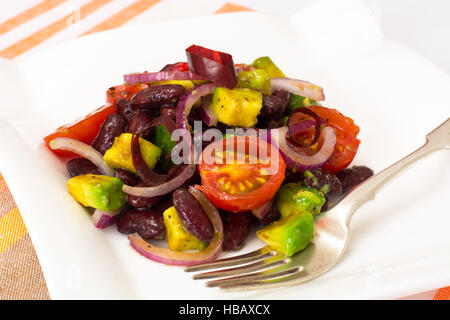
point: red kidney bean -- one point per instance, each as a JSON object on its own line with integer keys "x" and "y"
{"x": 124, "y": 108}
{"x": 142, "y": 202}
{"x": 353, "y": 176}
{"x": 236, "y": 228}
{"x": 138, "y": 122}
{"x": 127, "y": 177}
{"x": 80, "y": 166}
{"x": 270, "y": 216}
{"x": 191, "y": 213}
{"x": 157, "y": 96}
{"x": 147, "y": 223}
{"x": 169, "y": 111}
{"x": 112, "y": 127}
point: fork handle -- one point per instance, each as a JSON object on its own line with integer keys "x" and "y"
{"x": 438, "y": 139}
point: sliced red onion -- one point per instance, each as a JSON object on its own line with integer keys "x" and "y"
{"x": 180, "y": 258}
{"x": 146, "y": 77}
{"x": 261, "y": 212}
{"x": 300, "y": 126}
{"x": 300, "y": 87}
{"x": 207, "y": 113}
{"x": 188, "y": 100}
{"x": 102, "y": 219}
{"x": 150, "y": 177}
{"x": 299, "y": 161}
{"x": 295, "y": 126}
{"x": 84, "y": 150}
{"x": 163, "y": 188}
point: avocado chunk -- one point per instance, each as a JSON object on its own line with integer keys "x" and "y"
{"x": 97, "y": 191}
{"x": 298, "y": 101}
{"x": 290, "y": 234}
{"x": 163, "y": 140}
{"x": 119, "y": 155}
{"x": 269, "y": 66}
{"x": 177, "y": 237}
{"x": 295, "y": 198}
{"x": 237, "y": 107}
{"x": 254, "y": 79}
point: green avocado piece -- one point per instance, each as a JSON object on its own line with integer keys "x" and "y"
{"x": 290, "y": 234}
{"x": 298, "y": 101}
{"x": 254, "y": 79}
{"x": 163, "y": 139}
{"x": 295, "y": 198}
{"x": 97, "y": 191}
{"x": 269, "y": 66}
{"x": 238, "y": 107}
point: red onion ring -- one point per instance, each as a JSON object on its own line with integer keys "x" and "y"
{"x": 207, "y": 114}
{"x": 188, "y": 100}
{"x": 163, "y": 188}
{"x": 300, "y": 87}
{"x": 82, "y": 149}
{"x": 170, "y": 257}
{"x": 299, "y": 161}
{"x": 150, "y": 177}
{"x": 147, "y": 77}
{"x": 102, "y": 219}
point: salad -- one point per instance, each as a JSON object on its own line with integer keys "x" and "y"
{"x": 201, "y": 151}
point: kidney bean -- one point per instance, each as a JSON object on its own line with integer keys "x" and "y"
{"x": 147, "y": 223}
{"x": 124, "y": 109}
{"x": 272, "y": 106}
{"x": 169, "y": 111}
{"x": 353, "y": 176}
{"x": 112, "y": 127}
{"x": 139, "y": 120}
{"x": 283, "y": 95}
{"x": 157, "y": 96}
{"x": 127, "y": 177}
{"x": 164, "y": 204}
{"x": 191, "y": 213}
{"x": 236, "y": 228}
{"x": 80, "y": 166}
{"x": 142, "y": 202}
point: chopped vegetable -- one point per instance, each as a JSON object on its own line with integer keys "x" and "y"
{"x": 298, "y": 101}
{"x": 295, "y": 198}
{"x": 119, "y": 155}
{"x": 269, "y": 66}
{"x": 163, "y": 140}
{"x": 100, "y": 192}
{"x": 254, "y": 79}
{"x": 237, "y": 107}
{"x": 290, "y": 234}
{"x": 177, "y": 237}
{"x": 187, "y": 84}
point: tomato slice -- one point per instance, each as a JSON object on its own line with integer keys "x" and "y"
{"x": 347, "y": 142}
{"x": 84, "y": 129}
{"x": 240, "y": 173}
{"x": 123, "y": 91}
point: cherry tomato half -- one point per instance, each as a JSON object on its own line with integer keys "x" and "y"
{"x": 123, "y": 91}
{"x": 240, "y": 173}
{"x": 347, "y": 142}
{"x": 84, "y": 130}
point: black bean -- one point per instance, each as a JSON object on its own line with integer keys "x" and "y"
{"x": 142, "y": 202}
{"x": 127, "y": 177}
{"x": 147, "y": 223}
{"x": 124, "y": 109}
{"x": 236, "y": 228}
{"x": 139, "y": 121}
{"x": 353, "y": 176}
{"x": 112, "y": 127}
{"x": 272, "y": 106}
{"x": 284, "y": 96}
{"x": 80, "y": 166}
{"x": 319, "y": 179}
{"x": 192, "y": 215}
{"x": 157, "y": 96}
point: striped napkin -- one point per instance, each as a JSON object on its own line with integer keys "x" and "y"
{"x": 28, "y": 26}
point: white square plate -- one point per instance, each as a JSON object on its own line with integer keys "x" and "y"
{"x": 399, "y": 242}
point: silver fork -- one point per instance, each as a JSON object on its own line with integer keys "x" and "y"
{"x": 265, "y": 268}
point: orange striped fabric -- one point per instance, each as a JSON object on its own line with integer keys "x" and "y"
{"x": 20, "y": 273}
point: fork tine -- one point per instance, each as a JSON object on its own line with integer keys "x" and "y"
{"x": 251, "y": 277}
{"x": 262, "y": 264}
{"x": 256, "y": 255}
